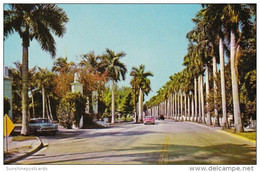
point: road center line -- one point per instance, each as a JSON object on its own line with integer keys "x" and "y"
{"x": 164, "y": 153}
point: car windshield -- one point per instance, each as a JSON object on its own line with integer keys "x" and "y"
{"x": 148, "y": 117}
{"x": 39, "y": 121}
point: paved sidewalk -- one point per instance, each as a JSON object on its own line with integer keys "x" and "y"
{"x": 20, "y": 149}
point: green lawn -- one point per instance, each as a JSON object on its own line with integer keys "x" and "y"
{"x": 248, "y": 134}
{"x": 23, "y": 138}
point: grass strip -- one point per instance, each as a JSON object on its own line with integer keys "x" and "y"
{"x": 23, "y": 138}
{"x": 248, "y": 134}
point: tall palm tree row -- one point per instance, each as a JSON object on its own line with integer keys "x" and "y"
{"x": 232, "y": 21}
{"x": 218, "y": 30}
{"x": 33, "y": 21}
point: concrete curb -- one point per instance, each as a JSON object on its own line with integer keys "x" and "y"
{"x": 203, "y": 125}
{"x": 102, "y": 124}
{"x": 235, "y": 135}
{"x": 12, "y": 160}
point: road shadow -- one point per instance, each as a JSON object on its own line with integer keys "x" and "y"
{"x": 63, "y": 134}
{"x": 175, "y": 154}
{"x": 116, "y": 134}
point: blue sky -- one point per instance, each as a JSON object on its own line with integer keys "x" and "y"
{"x": 150, "y": 34}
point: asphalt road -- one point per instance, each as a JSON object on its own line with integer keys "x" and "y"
{"x": 166, "y": 142}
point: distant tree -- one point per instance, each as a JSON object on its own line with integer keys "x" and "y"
{"x": 128, "y": 105}
{"x": 44, "y": 78}
{"x": 143, "y": 84}
{"x": 115, "y": 70}
{"x": 61, "y": 65}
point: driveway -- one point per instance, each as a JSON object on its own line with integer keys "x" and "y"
{"x": 167, "y": 142}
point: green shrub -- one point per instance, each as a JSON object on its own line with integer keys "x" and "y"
{"x": 129, "y": 119}
{"x": 70, "y": 109}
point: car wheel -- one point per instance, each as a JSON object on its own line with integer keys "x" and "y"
{"x": 33, "y": 132}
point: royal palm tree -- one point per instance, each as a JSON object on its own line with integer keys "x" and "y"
{"x": 178, "y": 79}
{"x": 236, "y": 17}
{"x": 167, "y": 95}
{"x": 194, "y": 65}
{"x": 134, "y": 85}
{"x": 115, "y": 70}
{"x": 16, "y": 74}
{"x": 175, "y": 88}
{"x": 61, "y": 65}
{"x": 187, "y": 88}
{"x": 32, "y": 86}
{"x": 33, "y": 21}
{"x": 205, "y": 50}
{"x": 44, "y": 79}
{"x": 143, "y": 84}
{"x": 91, "y": 62}
{"x": 213, "y": 16}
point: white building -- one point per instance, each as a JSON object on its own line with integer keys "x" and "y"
{"x": 8, "y": 90}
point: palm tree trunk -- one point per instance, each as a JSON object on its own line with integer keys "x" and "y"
{"x": 176, "y": 112}
{"x": 188, "y": 106}
{"x": 47, "y": 111}
{"x": 25, "y": 119}
{"x": 172, "y": 105}
{"x": 179, "y": 106}
{"x": 169, "y": 106}
{"x": 158, "y": 110}
{"x": 169, "y": 103}
{"x": 43, "y": 102}
{"x": 113, "y": 103}
{"x": 136, "y": 112}
{"x": 195, "y": 99}
{"x": 199, "y": 95}
{"x": 223, "y": 87}
{"x": 185, "y": 107}
{"x": 192, "y": 108}
{"x": 33, "y": 107}
{"x": 216, "y": 123}
{"x": 208, "y": 121}
{"x": 202, "y": 100}
{"x": 181, "y": 96}
{"x": 140, "y": 103}
{"x": 235, "y": 92}
{"x": 136, "y": 109}
{"x": 166, "y": 108}
{"x": 49, "y": 103}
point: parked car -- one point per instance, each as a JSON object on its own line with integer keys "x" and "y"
{"x": 149, "y": 120}
{"x": 42, "y": 125}
{"x": 161, "y": 117}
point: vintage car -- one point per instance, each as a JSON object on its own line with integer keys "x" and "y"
{"x": 42, "y": 125}
{"x": 149, "y": 120}
{"x": 161, "y": 117}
